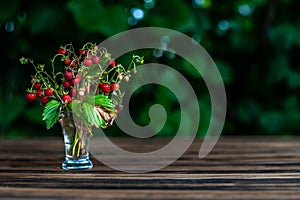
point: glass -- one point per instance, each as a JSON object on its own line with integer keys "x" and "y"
{"x": 76, "y": 141}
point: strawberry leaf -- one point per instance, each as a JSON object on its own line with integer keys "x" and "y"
{"x": 87, "y": 113}
{"x": 93, "y": 117}
{"x": 78, "y": 112}
{"x": 101, "y": 100}
{"x": 51, "y": 113}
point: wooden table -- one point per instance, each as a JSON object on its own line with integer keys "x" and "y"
{"x": 237, "y": 168}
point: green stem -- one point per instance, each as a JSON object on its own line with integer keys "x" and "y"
{"x": 130, "y": 65}
{"x": 75, "y": 143}
{"x": 89, "y": 43}
{"x": 52, "y": 62}
{"x": 53, "y": 80}
{"x": 79, "y": 147}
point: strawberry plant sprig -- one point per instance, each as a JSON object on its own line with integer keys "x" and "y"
{"x": 87, "y": 85}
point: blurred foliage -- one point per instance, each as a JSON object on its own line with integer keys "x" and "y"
{"x": 255, "y": 44}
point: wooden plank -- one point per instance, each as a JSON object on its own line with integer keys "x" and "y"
{"x": 40, "y": 193}
{"x": 237, "y": 168}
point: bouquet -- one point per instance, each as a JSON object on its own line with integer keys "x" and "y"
{"x": 82, "y": 84}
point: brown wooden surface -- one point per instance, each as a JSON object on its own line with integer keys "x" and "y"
{"x": 237, "y": 168}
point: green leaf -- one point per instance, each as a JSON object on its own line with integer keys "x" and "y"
{"x": 86, "y": 112}
{"x": 103, "y": 123}
{"x": 76, "y": 108}
{"x": 100, "y": 100}
{"x": 93, "y": 117}
{"x": 51, "y": 113}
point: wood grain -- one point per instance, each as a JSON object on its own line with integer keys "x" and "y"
{"x": 237, "y": 168}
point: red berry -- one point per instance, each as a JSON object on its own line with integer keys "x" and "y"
{"x": 33, "y": 80}
{"x": 111, "y": 63}
{"x": 67, "y": 61}
{"x": 115, "y": 86}
{"x": 44, "y": 100}
{"x": 31, "y": 96}
{"x": 62, "y": 51}
{"x": 75, "y": 81}
{"x": 49, "y": 92}
{"x": 73, "y": 64}
{"x": 105, "y": 87}
{"x": 66, "y": 98}
{"x": 87, "y": 62}
{"x": 67, "y": 84}
{"x": 40, "y": 93}
{"x": 82, "y": 52}
{"x": 73, "y": 92}
{"x": 68, "y": 75}
{"x": 96, "y": 59}
{"x": 37, "y": 86}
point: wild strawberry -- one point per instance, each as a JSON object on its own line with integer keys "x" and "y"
{"x": 31, "y": 96}
{"x": 115, "y": 86}
{"x": 33, "y": 80}
{"x": 67, "y": 61}
{"x": 76, "y": 81}
{"x": 111, "y": 63}
{"x": 48, "y": 92}
{"x": 62, "y": 51}
{"x": 67, "y": 84}
{"x": 37, "y": 86}
{"x": 68, "y": 75}
{"x": 79, "y": 76}
{"x": 40, "y": 93}
{"x": 44, "y": 100}
{"x": 73, "y": 92}
{"x": 96, "y": 59}
{"x": 105, "y": 87}
{"x": 82, "y": 52}
{"x": 66, "y": 98}
{"x": 87, "y": 62}
{"x": 73, "y": 64}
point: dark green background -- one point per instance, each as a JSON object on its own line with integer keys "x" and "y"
{"x": 255, "y": 44}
